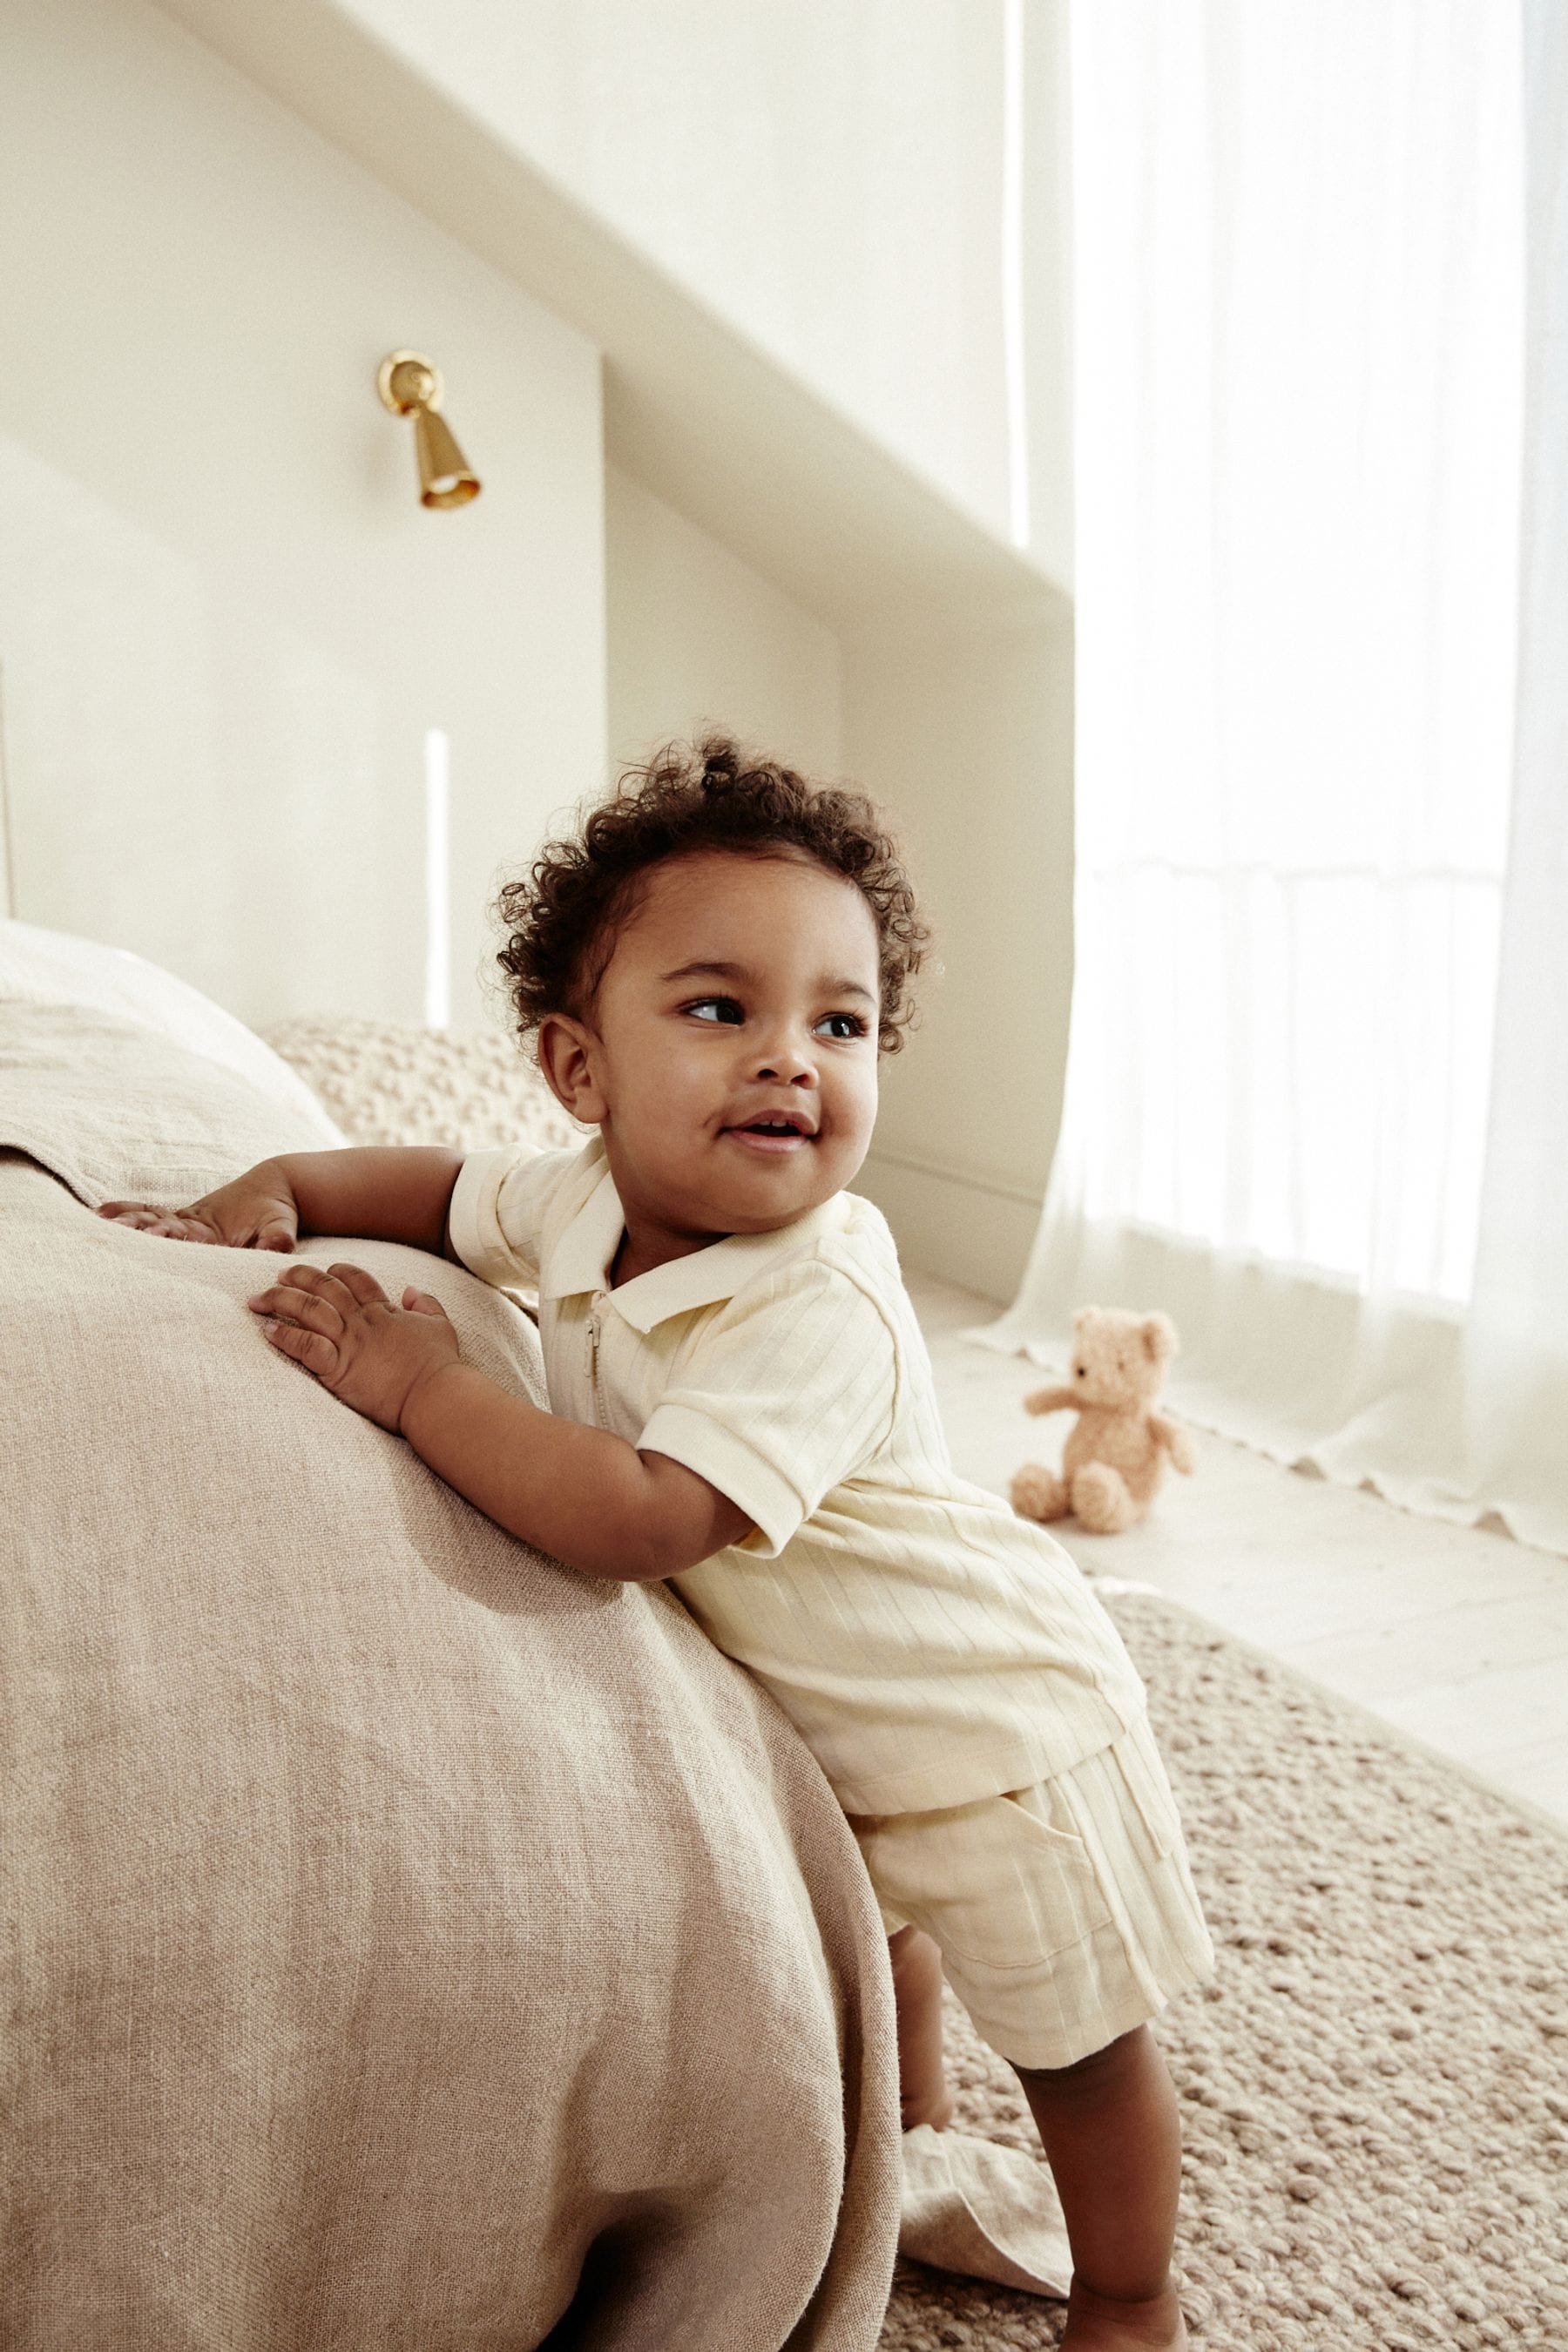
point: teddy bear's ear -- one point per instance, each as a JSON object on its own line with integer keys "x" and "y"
{"x": 1083, "y": 1317}
{"x": 1159, "y": 1336}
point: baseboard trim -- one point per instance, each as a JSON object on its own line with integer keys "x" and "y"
{"x": 964, "y": 1227}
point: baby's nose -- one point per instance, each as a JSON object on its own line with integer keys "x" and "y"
{"x": 788, "y": 1064}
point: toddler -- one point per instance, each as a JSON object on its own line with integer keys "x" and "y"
{"x": 740, "y": 1402}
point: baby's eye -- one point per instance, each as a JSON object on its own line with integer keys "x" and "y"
{"x": 715, "y": 1008}
{"x": 842, "y": 1025}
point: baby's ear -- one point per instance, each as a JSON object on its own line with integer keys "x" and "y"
{"x": 1159, "y": 1337}
{"x": 566, "y": 1063}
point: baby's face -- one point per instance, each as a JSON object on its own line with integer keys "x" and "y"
{"x": 732, "y": 1046}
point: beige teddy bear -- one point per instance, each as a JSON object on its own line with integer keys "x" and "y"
{"x": 1114, "y": 1460}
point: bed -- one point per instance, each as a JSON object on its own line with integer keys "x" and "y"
{"x": 409, "y": 1943}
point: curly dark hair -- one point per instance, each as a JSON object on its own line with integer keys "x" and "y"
{"x": 562, "y": 915}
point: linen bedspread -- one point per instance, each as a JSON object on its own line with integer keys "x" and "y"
{"x": 408, "y": 1943}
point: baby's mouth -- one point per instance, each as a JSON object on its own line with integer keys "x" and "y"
{"x": 770, "y": 1137}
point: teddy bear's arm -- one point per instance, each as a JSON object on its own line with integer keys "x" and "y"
{"x": 1175, "y": 1441}
{"x": 1050, "y": 1401}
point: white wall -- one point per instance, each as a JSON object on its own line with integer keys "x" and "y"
{"x": 826, "y": 176}
{"x": 966, "y": 739}
{"x": 694, "y": 636}
{"x": 225, "y": 625}
{"x": 225, "y": 621}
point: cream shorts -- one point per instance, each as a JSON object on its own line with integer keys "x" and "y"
{"x": 1066, "y": 1913}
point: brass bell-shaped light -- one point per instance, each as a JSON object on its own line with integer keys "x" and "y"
{"x": 410, "y": 385}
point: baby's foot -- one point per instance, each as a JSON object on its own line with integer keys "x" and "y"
{"x": 1097, "y": 2323}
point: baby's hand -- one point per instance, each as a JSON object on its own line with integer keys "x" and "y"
{"x": 342, "y": 1325}
{"x": 256, "y": 1210}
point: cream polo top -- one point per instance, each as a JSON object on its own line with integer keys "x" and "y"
{"x": 930, "y": 1646}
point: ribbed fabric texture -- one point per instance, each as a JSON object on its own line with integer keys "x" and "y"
{"x": 931, "y": 1647}
{"x": 1066, "y": 1913}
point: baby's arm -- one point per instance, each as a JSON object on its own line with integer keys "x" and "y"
{"x": 590, "y": 1498}
{"x": 391, "y": 1195}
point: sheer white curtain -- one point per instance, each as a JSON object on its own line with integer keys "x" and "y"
{"x": 1300, "y": 362}
{"x": 1516, "y": 1356}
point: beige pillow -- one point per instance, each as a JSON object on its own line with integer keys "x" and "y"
{"x": 394, "y": 1082}
{"x": 41, "y": 967}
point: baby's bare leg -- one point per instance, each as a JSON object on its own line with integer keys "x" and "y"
{"x": 923, "y": 2096}
{"x": 1114, "y": 2140}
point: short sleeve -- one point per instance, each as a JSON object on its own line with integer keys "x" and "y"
{"x": 790, "y": 1389}
{"x": 498, "y": 1211}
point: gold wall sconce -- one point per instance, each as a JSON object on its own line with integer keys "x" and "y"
{"x": 410, "y": 385}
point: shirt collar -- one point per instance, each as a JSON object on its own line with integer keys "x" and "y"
{"x": 582, "y": 1259}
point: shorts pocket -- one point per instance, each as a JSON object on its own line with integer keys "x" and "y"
{"x": 998, "y": 1884}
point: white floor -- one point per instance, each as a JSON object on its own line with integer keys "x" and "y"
{"x": 1458, "y": 1637}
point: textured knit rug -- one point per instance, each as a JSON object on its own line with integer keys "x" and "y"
{"x": 1375, "y": 2091}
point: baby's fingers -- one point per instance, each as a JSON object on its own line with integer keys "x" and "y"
{"x": 362, "y": 1287}
{"x": 289, "y": 1302}
{"x": 166, "y": 1224}
{"x": 143, "y": 1217}
{"x": 419, "y": 1302}
{"x": 312, "y": 1349}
